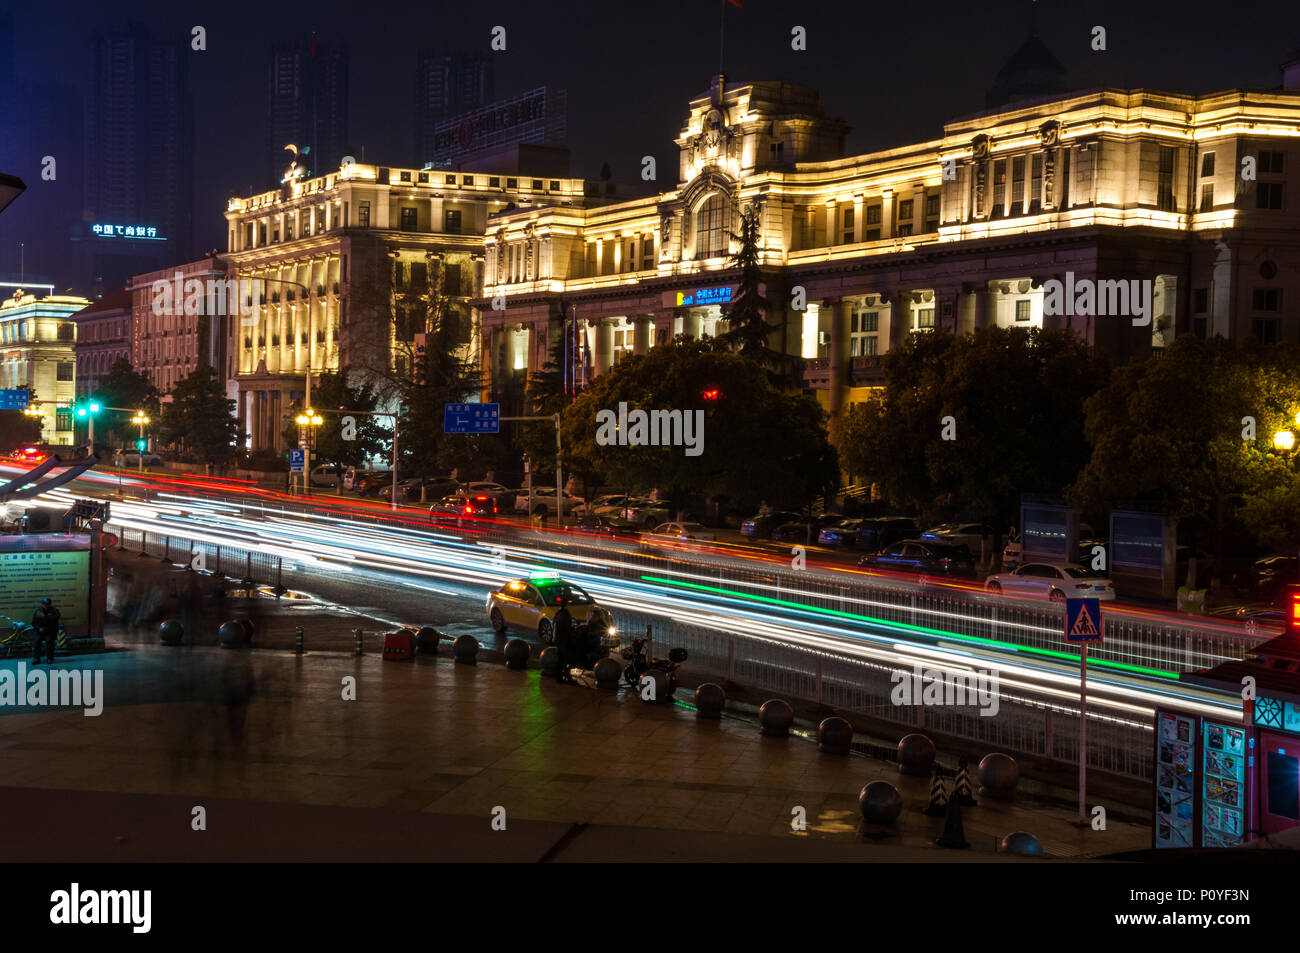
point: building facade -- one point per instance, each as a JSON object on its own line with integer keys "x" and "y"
{"x": 38, "y": 337}
{"x": 181, "y": 317}
{"x": 352, "y": 266}
{"x": 103, "y": 338}
{"x": 981, "y": 226}
{"x": 448, "y": 84}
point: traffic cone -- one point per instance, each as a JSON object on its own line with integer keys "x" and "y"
{"x": 938, "y": 805}
{"x": 962, "y": 791}
{"x": 952, "y": 835}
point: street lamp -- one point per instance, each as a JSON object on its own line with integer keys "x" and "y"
{"x": 1283, "y": 440}
{"x": 311, "y": 420}
{"x": 141, "y": 420}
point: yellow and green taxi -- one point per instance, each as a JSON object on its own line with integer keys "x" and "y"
{"x": 531, "y": 604}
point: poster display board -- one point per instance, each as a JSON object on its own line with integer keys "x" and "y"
{"x": 1175, "y": 817}
{"x": 36, "y": 566}
{"x": 1223, "y": 785}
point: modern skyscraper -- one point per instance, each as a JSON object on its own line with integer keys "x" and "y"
{"x": 448, "y": 84}
{"x": 306, "y": 105}
{"x": 139, "y": 168}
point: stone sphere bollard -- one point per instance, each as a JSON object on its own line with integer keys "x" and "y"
{"x": 171, "y": 632}
{"x": 465, "y": 648}
{"x": 709, "y": 701}
{"x": 517, "y": 653}
{"x": 247, "y": 623}
{"x": 659, "y": 679}
{"x": 834, "y": 736}
{"x": 880, "y": 803}
{"x": 775, "y": 718}
{"x": 427, "y": 639}
{"x": 998, "y": 776}
{"x": 607, "y": 672}
{"x": 550, "y": 659}
{"x": 232, "y": 635}
{"x": 1026, "y": 845}
{"x": 916, "y": 755}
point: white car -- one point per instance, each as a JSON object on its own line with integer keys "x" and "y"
{"x": 646, "y": 513}
{"x": 679, "y": 535}
{"x": 132, "y": 459}
{"x": 544, "y": 501}
{"x": 969, "y": 535}
{"x": 1053, "y": 581}
{"x": 606, "y": 501}
{"x": 326, "y": 475}
{"x": 484, "y": 488}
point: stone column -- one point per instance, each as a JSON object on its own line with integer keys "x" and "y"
{"x": 887, "y": 214}
{"x": 857, "y": 217}
{"x": 644, "y": 335}
{"x": 604, "y": 346}
{"x": 832, "y": 226}
{"x": 840, "y": 310}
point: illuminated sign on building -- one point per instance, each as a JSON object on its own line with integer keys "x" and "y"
{"x": 128, "y": 231}
{"x": 526, "y": 118}
{"x": 703, "y": 296}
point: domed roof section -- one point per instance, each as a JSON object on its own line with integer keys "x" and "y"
{"x": 1032, "y": 71}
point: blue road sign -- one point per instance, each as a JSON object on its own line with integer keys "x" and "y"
{"x": 13, "y": 399}
{"x": 471, "y": 418}
{"x": 1083, "y": 620}
{"x": 297, "y": 460}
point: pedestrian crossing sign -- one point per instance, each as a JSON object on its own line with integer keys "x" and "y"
{"x": 1083, "y": 620}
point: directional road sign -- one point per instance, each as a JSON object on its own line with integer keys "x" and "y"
{"x": 13, "y": 399}
{"x": 1083, "y": 620}
{"x": 297, "y": 460}
{"x": 471, "y": 418}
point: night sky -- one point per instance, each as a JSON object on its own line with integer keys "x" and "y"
{"x": 894, "y": 71}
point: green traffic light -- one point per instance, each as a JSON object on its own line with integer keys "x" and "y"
{"x": 140, "y": 444}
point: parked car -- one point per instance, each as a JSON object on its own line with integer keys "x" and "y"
{"x": 842, "y": 534}
{"x": 370, "y": 482}
{"x": 497, "y": 491}
{"x": 643, "y": 512}
{"x": 327, "y": 475}
{"x": 603, "y": 502}
{"x": 132, "y": 459}
{"x": 679, "y": 535}
{"x": 876, "y": 534}
{"x": 1054, "y": 581}
{"x": 457, "y": 507}
{"x": 1266, "y": 578}
{"x": 410, "y": 491}
{"x": 531, "y": 604}
{"x": 970, "y": 535}
{"x": 30, "y": 456}
{"x": 602, "y": 525}
{"x": 802, "y": 530}
{"x": 544, "y": 501}
{"x": 761, "y": 526}
{"x": 923, "y": 556}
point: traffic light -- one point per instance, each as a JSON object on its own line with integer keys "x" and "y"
{"x": 712, "y": 393}
{"x": 85, "y": 410}
{"x": 141, "y": 444}
{"x": 1293, "y": 612}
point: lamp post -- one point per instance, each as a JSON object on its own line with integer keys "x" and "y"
{"x": 311, "y": 420}
{"x": 141, "y": 420}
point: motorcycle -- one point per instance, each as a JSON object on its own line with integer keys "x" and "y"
{"x": 595, "y": 637}
{"x": 24, "y": 634}
{"x": 639, "y": 665}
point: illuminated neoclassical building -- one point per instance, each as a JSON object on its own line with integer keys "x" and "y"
{"x": 961, "y": 231}
{"x": 348, "y": 262}
{"x": 38, "y": 336}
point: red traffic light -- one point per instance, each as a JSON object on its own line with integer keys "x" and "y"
{"x": 712, "y": 394}
{"x": 1293, "y": 616}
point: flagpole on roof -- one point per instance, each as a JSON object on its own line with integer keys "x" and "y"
{"x": 722, "y": 25}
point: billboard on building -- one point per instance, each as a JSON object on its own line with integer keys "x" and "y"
{"x": 537, "y": 117}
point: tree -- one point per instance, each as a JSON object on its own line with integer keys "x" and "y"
{"x": 743, "y": 415}
{"x": 124, "y": 386}
{"x": 201, "y": 418}
{"x": 544, "y": 396}
{"x": 967, "y": 423}
{"x": 444, "y": 378}
{"x": 748, "y": 327}
{"x": 331, "y": 391}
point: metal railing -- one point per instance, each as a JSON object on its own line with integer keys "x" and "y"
{"x": 247, "y": 565}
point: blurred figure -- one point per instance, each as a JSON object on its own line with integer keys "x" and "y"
{"x": 45, "y": 622}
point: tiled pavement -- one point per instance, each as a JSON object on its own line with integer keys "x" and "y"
{"x": 430, "y": 749}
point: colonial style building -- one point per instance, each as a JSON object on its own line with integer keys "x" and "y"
{"x": 1185, "y": 194}
{"x": 181, "y": 316}
{"x": 351, "y": 265}
{"x": 103, "y": 339}
{"x": 37, "y": 337}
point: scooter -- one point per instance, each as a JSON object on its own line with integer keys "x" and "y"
{"x": 638, "y": 664}
{"x": 23, "y": 634}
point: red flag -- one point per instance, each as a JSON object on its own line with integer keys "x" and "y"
{"x": 737, "y": 4}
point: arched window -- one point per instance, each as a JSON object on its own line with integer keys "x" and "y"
{"x": 710, "y": 229}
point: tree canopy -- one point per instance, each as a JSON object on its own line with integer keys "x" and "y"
{"x": 201, "y": 418}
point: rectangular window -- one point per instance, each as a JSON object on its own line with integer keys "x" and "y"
{"x": 512, "y": 183}
{"x": 872, "y": 235}
{"x": 1266, "y": 299}
{"x": 1036, "y": 184}
{"x": 1201, "y": 300}
{"x": 1017, "y": 185}
{"x": 1207, "y": 165}
{"x": 848, "y": 225}
{"x": 67, "y": 370}
{"x": 905, "y": 210}
{"x": 932, "y": 205}
{"x": 1270, "y": 161}
{"x": 409, "y": 219}
{"x": 406, "y": 177}
{"x": 363, "y": 214}
{"x": 873, "y": 214}
{"x": 925, "y": 317}
{"x": 1264, "y": 330}
{"x": 537, "y": 185}
{"x": 1023, "y": 310}
{"x": 1165, "y": 180}
{"x": 494, "y": 182}
{"x": 422, "y": 178}
{"x": 647, "y": 252}
{"x": 449, "y": 180}
{"x": 862, "y": 333}
{"x": 62, "y": 418}
{"x": 1199, "y": 327}
{"x": 1268, "y": 195}
{"x": 451, "y": 281}
{"x": 555, "y": 185}
{"x": 467, "y": 180}
{"x": 451, "y": 221}
{"x": 1207, "y": 197}
{"x": 999, "y": 188}
{"x": 905, "y": 231}
{"x": 776, "y": 151}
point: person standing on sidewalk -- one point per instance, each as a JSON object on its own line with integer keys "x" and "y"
{"x": 46, "y": 623}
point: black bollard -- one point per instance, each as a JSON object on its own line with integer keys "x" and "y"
{"x": 297, "y": 639}
{"x": 357, "y": 635}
